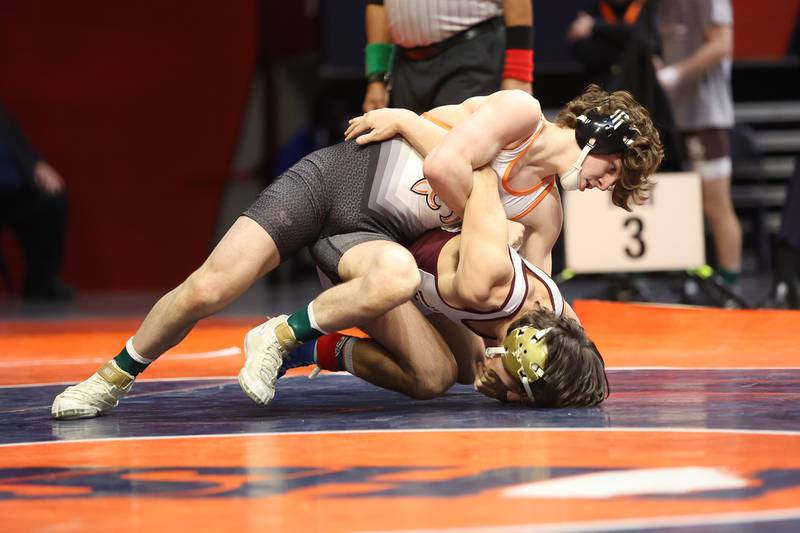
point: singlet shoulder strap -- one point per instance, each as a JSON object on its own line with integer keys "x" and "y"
{"x": 440, "y": 123}
{"x": 556, "y": 298}
{"x": 522, "y": 149}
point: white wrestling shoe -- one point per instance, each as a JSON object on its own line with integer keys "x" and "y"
{"x": 94, "y": 396}
{"x": 264, "y": 355}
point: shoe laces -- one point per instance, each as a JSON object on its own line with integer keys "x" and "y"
{"x": 271, "y": 362}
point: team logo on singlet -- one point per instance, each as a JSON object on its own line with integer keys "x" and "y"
{"x": 423, "y": 188}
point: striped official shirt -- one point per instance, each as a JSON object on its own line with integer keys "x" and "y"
{"x": 415, "y": 23}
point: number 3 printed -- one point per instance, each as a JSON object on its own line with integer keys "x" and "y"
{"x": 634, "y": 252}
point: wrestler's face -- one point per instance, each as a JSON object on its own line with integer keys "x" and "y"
{"x": 600, "y": 171}
{"x": 493, "y": 380}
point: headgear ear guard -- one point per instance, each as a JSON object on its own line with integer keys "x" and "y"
{"x": 603, "y": 134}
{"x": 524, "y": 355}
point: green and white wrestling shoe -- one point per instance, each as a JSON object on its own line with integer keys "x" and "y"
{"x": 265, "y": 346}
{"x": 94, "y": 396}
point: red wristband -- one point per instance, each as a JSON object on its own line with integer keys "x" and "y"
{"x": 519, "y": 65}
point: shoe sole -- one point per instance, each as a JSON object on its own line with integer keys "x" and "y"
{"x": 74, "y": 414}
{"x": 250, "y": 394}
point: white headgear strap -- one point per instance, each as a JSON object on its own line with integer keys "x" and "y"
{"x": 571, "y": 179}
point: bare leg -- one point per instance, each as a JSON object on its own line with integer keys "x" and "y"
{"x": 727, "y": 231}
{"x": 245, "y": 254}
{"x": 467, "y": 347}
{"x": 407, "y": 355}
{"x": 378, "y": 276}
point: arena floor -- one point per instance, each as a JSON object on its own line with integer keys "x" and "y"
{"x": 701, "y": 433}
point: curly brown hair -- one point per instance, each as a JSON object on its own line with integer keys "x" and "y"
{"x": 641, "y": 159}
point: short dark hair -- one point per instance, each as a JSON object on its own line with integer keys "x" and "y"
{"x": 574, "y": 374}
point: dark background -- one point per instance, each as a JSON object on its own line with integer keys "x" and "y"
{"x": 140, "y": 106}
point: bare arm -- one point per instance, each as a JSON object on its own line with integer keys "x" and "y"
{"x": 383, "y": 124}
{"x": 501, "y": 119}
{"x": 376, "y": 96}
{"x": 718, "y": 46}
{"x": 483, "y": 260}
{"x": 518, "y": 12}
{"x": 569, "y": 312}
{"x": 377, "y": 29}
{"x": 423, "y": 132}
{"x": 543, "y": 228}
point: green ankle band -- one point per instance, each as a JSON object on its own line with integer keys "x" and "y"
{"x": 301, "y": 326}
{"x": 126, "y": 363}
{"x": 728, "y": 276}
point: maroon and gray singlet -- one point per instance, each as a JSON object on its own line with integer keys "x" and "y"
{"x": 426, "y": 251}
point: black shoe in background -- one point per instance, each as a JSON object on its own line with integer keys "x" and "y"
{"x": 783, "y": 294}
{"x": 712, "y": 292}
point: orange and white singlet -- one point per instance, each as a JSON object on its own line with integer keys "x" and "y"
{"x": 517, "y": 204}
{"x": 400, "y": 194}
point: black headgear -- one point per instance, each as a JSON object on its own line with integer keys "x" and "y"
{"x": 612, "y": 134}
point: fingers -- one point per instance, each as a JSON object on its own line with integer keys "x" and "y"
{"x": 487, "y": 382}
{"x": 355, "y": 127}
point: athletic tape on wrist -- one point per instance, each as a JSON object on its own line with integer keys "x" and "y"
{"x": 519, "y": 65}
{"x": 378, "y": 58}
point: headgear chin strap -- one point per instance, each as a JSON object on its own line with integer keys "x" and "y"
{"x": 524, "y": 355}
{"x": 603, "y": 134}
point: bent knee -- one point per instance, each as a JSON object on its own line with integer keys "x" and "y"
{"x": 206, "y": 291}
{"x": 435, "y": 382}
{"x": 395, "y": 274}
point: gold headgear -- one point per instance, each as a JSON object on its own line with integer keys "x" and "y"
{"x": 524, "y": 355}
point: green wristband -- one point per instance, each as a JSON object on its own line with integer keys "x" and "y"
{"x": 380, "y": 57}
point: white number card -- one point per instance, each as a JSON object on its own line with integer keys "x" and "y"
{"x": 666, "y": 233}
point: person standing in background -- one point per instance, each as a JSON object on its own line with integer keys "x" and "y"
{"x": 33, "y": 205}
{"x": 445, "y": 51}
{"x": 617, "y": 43}
{"x": 697, "y": 45}
{"x": 785, "y": 290}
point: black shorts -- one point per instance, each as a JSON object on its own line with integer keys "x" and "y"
{"x": 328, "y": 251}
{"x": 326, "y": 193}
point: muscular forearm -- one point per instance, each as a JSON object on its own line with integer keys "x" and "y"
{"x": 377, "y": 29}
{"x": 483, "y": 262}
{"x": 450, "y": 176}
{"x": 518, "y": 12}
{"x": 421, "y": 133}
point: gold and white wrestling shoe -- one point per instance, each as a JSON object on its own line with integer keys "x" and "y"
{"x": 264, "y": 348}
{"x": 94, "y": 396}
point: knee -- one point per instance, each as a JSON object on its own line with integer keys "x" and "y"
{"x": 435, "y": 381}
{"x": 394, "y": 276}
{"x": 204, "y": 292}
